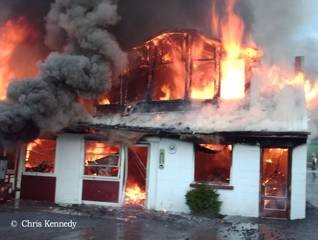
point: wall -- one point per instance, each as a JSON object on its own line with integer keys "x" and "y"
{"x": 298, "y": 183}
{"x": 167, "y": 187}
{"x": 38, "y": 188}
{"x": 243, "y": 200}
{"x": 68, "y": 169}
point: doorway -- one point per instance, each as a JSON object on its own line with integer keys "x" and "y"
{"x": 136, "y": 175}
{"x": 275, "y": 183}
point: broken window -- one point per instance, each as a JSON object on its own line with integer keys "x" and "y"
{"x": 136, "y": 79}
{"x": 101, "y": 159}
{"x": 169, "y": 74}
{"x": 213, "y": 163}
{"x": 40, "y": 156}
{"x": 204, "y": 82}
{"x": 113, "y": 95}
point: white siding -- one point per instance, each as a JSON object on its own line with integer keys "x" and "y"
{"x": 167, "y": 187}
{"x": 68, "y": 168}
{"x": 243, "y": 200}
{"x": 298, "y": 183}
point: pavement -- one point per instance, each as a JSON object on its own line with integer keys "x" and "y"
{"x": 35, "y": 220}
{"x": 312, "y": 187}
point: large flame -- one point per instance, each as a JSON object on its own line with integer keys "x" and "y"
{"x": 134, "y": 195}
{"x": 17, "y": 59}
{"x": 233, "y": 64}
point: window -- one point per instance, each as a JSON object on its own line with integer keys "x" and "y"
{"x": 169, "y": 75}
{"x": 213, "y": 163}
{"x": 204, "y": 84}
{"x": 40, "y": 156}
{"x": 101, "y": 159}
{"x": 137, "y": 81}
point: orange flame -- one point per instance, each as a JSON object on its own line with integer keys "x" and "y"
{"x": 38, "y": 152}
{"x": 167, "y": 93}
{"x": 94, "y": 150}
{"x": 280, "y": 79}
{"x": 233, "y": 65}
{"x": 13, "y": 34}
{"x": 104, "y": 101}
{"x": 135, "y": 195}
{"x": 31, "y": 146}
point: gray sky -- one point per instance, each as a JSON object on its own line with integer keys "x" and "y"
{"x": 286, "y": 28}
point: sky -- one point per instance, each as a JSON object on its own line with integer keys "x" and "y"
{"x": 287, "y": 28}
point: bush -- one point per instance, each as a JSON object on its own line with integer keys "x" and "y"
{"x": 203, "y": 201}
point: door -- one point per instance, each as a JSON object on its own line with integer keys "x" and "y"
{"x": 136, "y": 175}
{"x": 103, "y": 173}
{"x": 275, "y": 183}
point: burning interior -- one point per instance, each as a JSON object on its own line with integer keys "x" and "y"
{"x": 177, "y": 68}
{"x": 40, "y": 156}
{"x": 139, "y": 142}
{"x": 179, "y": 115}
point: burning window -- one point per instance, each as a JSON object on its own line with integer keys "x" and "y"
{"x": 101, "y": 159}
{"x": 205, "y": 76}
{"x": 112, "y": 96}
{"x": 213, "y": 163}
{"x": 183, "y": 65}
{"x": 136, "y": 79}
{"x": 169, "y": 79}
{"x": 137, "y": 85}
{"x": 40, "y": 156}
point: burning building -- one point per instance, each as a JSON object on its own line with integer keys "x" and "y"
{"x": 150, "y": 141}
{"x": 185, "y": 111}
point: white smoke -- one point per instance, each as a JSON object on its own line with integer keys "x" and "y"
{"x": 285, "y": 29}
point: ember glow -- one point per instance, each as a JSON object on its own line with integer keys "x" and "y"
{"x": 104, "y": 101}
{"x": 134, "y": 195}
{"x": 17, "y": 59}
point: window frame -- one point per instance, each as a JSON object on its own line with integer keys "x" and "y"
{"x": 211, "y": 184}
{"x": 27, "y": 173}
{"x": 104, "y": 178}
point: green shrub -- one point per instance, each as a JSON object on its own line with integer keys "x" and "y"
{"x": 203, "y": 201}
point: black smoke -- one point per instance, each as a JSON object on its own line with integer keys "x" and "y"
{"x": 88, "y": 57}
{"x": 143, "y": 19}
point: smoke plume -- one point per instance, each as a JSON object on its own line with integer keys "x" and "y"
{"x": 86, "y": 57}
